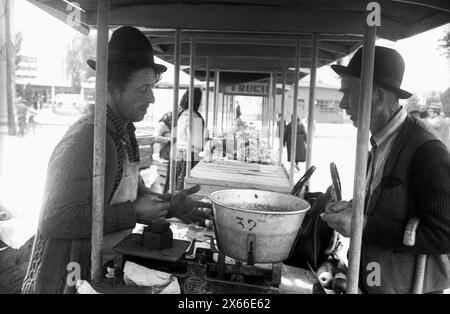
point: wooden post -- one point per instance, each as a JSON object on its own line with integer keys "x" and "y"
{"x": 10, "y": 73}
{"x": 263, "y": 117}
{"x": 359, "y": 183}
{"x": 191, "y": 110}
{"x": 282, "y": 114}
{"x": 222, "y": 113}
{"x": 294, "y": 111}
{"x": 227, "y": 116}
{"x": 312, "y": 100}
{"x": 101, "y": 98}
{"x": 207, "y": 95}
{"x": 274, "y": 103}
{"x": 216, "y": 100}
{"x": 176, "y": 90}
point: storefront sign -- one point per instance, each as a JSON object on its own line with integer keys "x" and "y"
{"x": 251, "y": 89}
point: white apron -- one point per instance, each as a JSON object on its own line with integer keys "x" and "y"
{"x": 126, "y": 192}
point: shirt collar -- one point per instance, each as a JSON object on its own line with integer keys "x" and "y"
{"x": 116, "y": 127}
{"x": 390, "y": 128}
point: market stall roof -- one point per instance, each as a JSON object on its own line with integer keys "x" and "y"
{"x": 400, "y": 18}
{"x": 236, "y": 77}
{"x": 257, "y": 36}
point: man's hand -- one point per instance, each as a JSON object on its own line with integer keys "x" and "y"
{"x": 149, "y": 207}
{"x": 181, "y": 205}
{"x": 338, "y": 215}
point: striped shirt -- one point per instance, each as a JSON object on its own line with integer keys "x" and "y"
{"x": 381, "y": 147}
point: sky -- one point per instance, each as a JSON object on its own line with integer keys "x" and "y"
{"x": 426, "y": 68}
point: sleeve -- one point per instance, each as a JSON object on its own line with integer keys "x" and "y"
{"x": 430, "y": 184}
{"x": 67, "y": 206}
{"x": 303, "y": 131}
{"x": 162, "y": 129}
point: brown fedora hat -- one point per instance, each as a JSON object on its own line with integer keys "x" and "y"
{"x": 130, "y": 45}
{"x": 388, "y": 69}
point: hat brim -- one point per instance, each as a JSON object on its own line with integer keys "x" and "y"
{"x": 159, "y": 68}
{"x": 343, "y": 70}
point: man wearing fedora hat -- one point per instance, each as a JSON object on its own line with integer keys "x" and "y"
{"x": 437, "y": 120}
{"x": 408, "y": 176}
{"x": 64, "y": 231}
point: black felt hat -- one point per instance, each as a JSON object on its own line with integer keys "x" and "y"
{"x": 130, "y": 45}
{"x": 388, "y": 69}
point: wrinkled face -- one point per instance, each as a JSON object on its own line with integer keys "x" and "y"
{"x": 135, "y": 98}
{"x": 350, "y": 98}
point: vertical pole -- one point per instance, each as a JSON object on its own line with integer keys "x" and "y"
{"x": 359, "y": 182}
{"x": 222, "y": 113}
{"x": 207, "y": 96}
{"x": 227, "y": 97}
{"x": 216, "y": 100}
{"x": 263, "y": 117}
{"x": 101, "y": 97}
{"x": 10, "y": 73}
{"x": 176, "y": 90}
{"x": 294, "y": 112}
{"x": 312, "y": 100}
{"x": 269, "y": 106}
{"x": 280, "y": 156}
{"x": 191, "y": 109}
{"x": 274, "y": 120}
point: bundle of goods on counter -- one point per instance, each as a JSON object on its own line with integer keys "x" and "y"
{"x": 246, "y": 146}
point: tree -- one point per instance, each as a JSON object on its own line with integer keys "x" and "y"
{"x": 80, "y": 49}
{"x": 445, "y": 44}
{"x": 17, "y": 48}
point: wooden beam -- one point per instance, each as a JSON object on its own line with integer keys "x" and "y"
{"x": 173, "y": 135}
{"x": 283, "y": 98}
{"x": 441, "y": 5}
{"x": 359, "y": 183}
{"x": 294, "y": 115}
{"x": 191, "y": 109}
{"x": 101, "y": 96}
{"x": 10, "y": 76}
{"x": 247, "y": 18}
{"x": 59, "y": 10}
{"x": 431, "y": 22}
{"x": 255, "y": 38}
{"x": 248, "y": 64}
{"x": 207, "y": 97}
{"x": 323, "y": 45}
{"x": 216, "y": 100}
{"x": 251, "y": 51}
{"x": 312, "y": 99}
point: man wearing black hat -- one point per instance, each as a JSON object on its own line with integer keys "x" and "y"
{"x": 408, "y": 176}
{"x": 61, "y": 251}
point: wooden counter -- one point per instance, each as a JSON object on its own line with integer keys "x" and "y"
{"x": 220, "y": 175}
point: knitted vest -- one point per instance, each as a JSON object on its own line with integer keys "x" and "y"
{"x": 393, "y": 199}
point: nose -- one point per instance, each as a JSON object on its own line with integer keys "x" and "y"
{"x": 344, "y": 103}
{"x": 151, "y": 96}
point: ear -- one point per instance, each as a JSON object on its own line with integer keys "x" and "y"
{"x": 113, "y": 92}
{"x": 378, "y": 95}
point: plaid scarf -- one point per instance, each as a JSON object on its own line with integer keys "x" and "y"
{"x": 122, "y": 145}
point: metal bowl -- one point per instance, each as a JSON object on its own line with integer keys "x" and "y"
{"x": 257, "y": 226}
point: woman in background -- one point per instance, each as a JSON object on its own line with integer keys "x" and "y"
{"x": 183, "y": 132}
{"x": 300, "y": 149}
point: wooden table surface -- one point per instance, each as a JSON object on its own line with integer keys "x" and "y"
{"x": 220, "y": 175}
